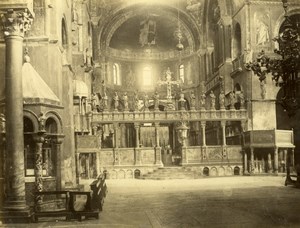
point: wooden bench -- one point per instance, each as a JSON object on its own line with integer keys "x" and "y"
{"x": 53, "y": 204}
{"x": 92, "y": 202}
{"x": 72, "y": 204}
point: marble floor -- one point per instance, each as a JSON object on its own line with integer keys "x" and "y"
{"x": 243, "y": 201}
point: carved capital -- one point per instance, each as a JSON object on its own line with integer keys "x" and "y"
{"x": 58, "y": 139}
{"x": 39, "y": 137}
{"x": 203, "y": 124}
{"x": 16, "y": 22}
{"x": 223, "y": 123}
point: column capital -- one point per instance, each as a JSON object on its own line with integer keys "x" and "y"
{"x": 223, "y": 123}
{"x": 203, "y": 124}
{"x": 58, "y": 139}
{"x": 156, "y": 124}
{"x": 137, "y": 125}
{"x": 39, "y": 137}
{"x": 16, "y": 22}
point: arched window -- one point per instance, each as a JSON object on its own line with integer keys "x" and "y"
{"x": 116, "y": 74}
{"x": 51, "y": 126}
{"x": 237, "y": 44}
{"x": 181, "y": 72}
{"x": 147, "y": 76}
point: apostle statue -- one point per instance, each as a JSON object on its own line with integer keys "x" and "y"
{"x": 156, "y": 101}
{"x": 212, "y": 100}
{"x": 222, "y": 100}
{"x": 146, "y": 102}
{"x": 116, "y": 101}
{"x": 125, "y": 101}
{"x": 192, "y": 101}
{"x": 202, "y": 101}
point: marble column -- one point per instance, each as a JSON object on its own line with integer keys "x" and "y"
{"x": 270, "y": 168}
{"x": 137, "y": 133}
{"x": 60, "y": 166}
{"x": 285, "y": 152}
{"x": 116, "y": 144}
{"x": 223, "y": 125}
{"x": 203, "y": 125}
{"x": 251, "y": 160}
{"x": 38, "y": 159}
{"x": 15, "y": 23}
{"x": 137, "y": 144}
{"x": 157, "y": 146}
{"x": 276, "y": 160}
{"x": 245, "y": 163}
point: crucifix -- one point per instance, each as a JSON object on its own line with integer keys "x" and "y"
{"x": 168, "y": 82}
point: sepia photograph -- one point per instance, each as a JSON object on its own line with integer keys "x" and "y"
{"x": 149, "y": 113}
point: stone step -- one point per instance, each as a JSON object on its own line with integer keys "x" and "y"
{"x": 167, "y": 173}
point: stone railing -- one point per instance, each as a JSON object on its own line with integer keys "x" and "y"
{"x": 169, "y": 116}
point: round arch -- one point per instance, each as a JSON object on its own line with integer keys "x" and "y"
{"x": 123, "y": 13}
{"x": 281, "y": 19}
{"x": 33, "y": 118}
{"x": 55, "y": 117}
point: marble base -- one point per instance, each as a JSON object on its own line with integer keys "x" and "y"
{"x": 16, "y": 216}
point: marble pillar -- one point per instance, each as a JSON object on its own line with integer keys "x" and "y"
{"x": 158, "y": 160}
{"x": 245, "y": 163}
{"x": 203, "y": 125}
{"x": 15, "y": 24}
{"x": 276, "y": 160}
{"x": 223, "y": 125}
{"x": 60, "y": 166}
{"x": 137, "y": 144}
{"x": 38, "y": 168}
{"x": 252, "y": 160}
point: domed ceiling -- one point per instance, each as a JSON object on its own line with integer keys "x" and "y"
{"x": 161, "y": 34}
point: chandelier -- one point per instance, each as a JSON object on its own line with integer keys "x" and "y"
{"x": 285, "y": 67}
{"x": 178, "y": 33}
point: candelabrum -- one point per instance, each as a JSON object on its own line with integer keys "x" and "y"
{"x": 284, "y": 68}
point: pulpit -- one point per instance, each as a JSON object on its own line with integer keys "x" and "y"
{"x": 272, "y": 148}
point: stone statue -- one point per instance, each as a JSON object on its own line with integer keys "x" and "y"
{"x": 263, "y": 89}
{"x": 181, "y": 101}
{"x": 232, "y": 99}
{"x": 95, "y": 102}
{"x": 105, "y": 101}
{"x": 42, "y": 122}
{"x": 202, "y": 101}
{"x": 222, "y": 100}
{"x": 146, "y": 102}
{"x": 116, "y": 101}
{"x": 242, "y": 100}
{"x": 125, "y": 101}
{"x": 212, "y": 100}
{"x": 192, "y": 101}
{"x": 136, "y": 102}
{"x": 87, "y": 58}
{"x": 156, "y": 101}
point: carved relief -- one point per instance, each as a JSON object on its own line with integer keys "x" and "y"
{"x": 16, "y": 22}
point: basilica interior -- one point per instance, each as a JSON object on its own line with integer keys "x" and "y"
{"x": 126, "y": 87}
